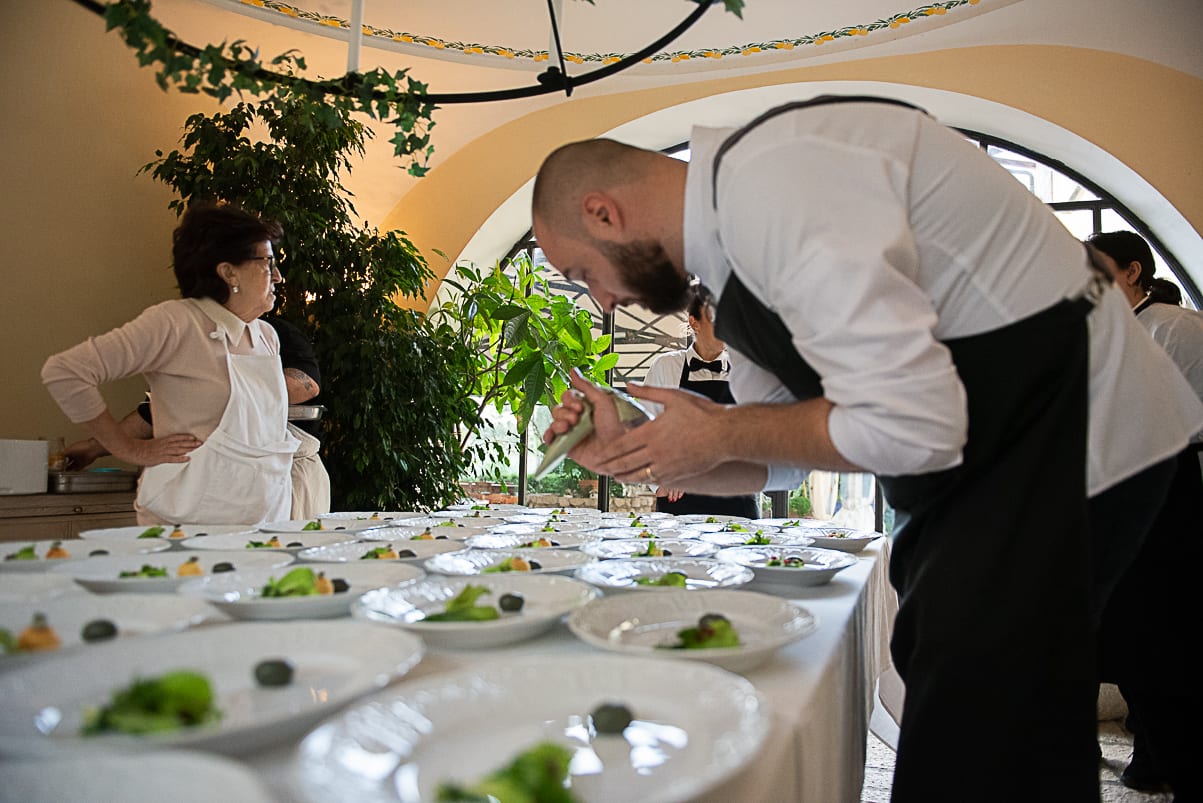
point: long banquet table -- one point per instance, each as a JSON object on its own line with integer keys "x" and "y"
{"x": 818, "y": 691}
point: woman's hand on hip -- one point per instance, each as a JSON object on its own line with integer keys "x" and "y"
{"x": 152, "y": 452}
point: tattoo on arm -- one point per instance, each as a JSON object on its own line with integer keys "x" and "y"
{"x": 301, "y": 377}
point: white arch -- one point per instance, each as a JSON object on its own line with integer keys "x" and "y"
{"x": 671, "y": 126}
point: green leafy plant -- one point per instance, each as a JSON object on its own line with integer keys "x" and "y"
{"x": 799, "y": 501}
{"x": 524, "y": 340}
{"x": 224, "y": 70}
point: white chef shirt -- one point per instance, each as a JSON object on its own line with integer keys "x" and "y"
{"x": 874, "y": 232}
{"x": 1180, "y": 332}
{"x": 665, "y": 372}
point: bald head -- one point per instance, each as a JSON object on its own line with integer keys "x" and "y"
{"x": 573, "y": 170}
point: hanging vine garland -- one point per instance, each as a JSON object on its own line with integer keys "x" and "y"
{"x": 393, "y": 98}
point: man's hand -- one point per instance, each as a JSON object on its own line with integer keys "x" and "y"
{"x": 680, "y": 443}
{"x": 606, "y": 426}
{"x": 82, "y": 454}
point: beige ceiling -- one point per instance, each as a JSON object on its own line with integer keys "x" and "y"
{"x": 473, "y": 45}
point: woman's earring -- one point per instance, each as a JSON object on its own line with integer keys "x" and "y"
{"x": 234, "y": 288}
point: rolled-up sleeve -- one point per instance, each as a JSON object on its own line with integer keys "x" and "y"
{"x": 835, "y": 265}
{"x": 73, "y": 376}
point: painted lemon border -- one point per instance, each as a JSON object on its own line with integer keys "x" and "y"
{"x": 677, "y": 56}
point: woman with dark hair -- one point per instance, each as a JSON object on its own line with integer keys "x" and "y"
{"x": 702, "y": 367}
{"x": 221, "y": 452}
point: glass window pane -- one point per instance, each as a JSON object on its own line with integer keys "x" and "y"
{"x": 1049, "y": 185}
{"x": 1080, "y": 222}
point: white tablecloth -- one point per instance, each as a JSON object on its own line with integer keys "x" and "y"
{"x": 819, "y": 692}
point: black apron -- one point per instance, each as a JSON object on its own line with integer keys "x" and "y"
{"x": 716, "y": 390}
{"x": 991, "y": 561}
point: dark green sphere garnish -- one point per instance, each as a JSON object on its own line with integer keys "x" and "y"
{"x": 96, "y": 552}
{"x": 291, "y": 544}
{"x": 340, "y": 585}
{"x": 611, "y": 718}
{"x": 98, "y": 630}
{"x": 709, "y": 619}
{"x": 407, "y": 553}
{"x": 273, "y": 672}
{"x": 511, "y": 603}
{"x": 534, "y": 564}
{"x": 224, "y": 566}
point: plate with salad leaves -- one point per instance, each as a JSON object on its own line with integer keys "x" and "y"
{"x": 207, "y": 688}
{"x": 481, "y": 611}
{"x": 403, "y": 550}
{"x": 298, "y": 592}
{"x": 507, "y": 561}
{"x": 530, "y": 540}
{"x": 658, "y": 574}
{"x": 650, "y": 548}
{"x": 757, "y": 537}
{"x": 163, "y": 572}
{"x": 844, "y": 539}
{"x": 166, "y": 532}
{"x": 737, "y": 630}
{"x": 37, "y": 630}
{"x": 265, "y": 541}
{"x": 39, "y": 556}
{"x": 585, "y": 728}
{"x": 792, "y": 565}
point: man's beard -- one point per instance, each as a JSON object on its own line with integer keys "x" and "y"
{"x": 646, "y": 271}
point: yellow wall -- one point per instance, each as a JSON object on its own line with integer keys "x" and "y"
{"x": 1157, "y": 136}
{"x": 84, "y": 239}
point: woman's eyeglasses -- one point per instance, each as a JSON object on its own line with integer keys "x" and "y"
{"x": 271, "y": 262}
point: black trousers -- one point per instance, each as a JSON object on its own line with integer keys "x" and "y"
{"x": 1150, "y": 625}
{"x": 995, "y": 634}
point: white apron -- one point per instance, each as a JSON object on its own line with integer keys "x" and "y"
{"x": 310, "y": 480}
{"x": 241, "y": 473}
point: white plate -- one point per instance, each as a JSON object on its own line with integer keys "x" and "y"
{"x": 708, "y": 518}
{"x": 189, "y": 530}
{"x": 543, "y": 527}
{"x": 133, "y": 614}
{"x": 547, "y": 598}
{"x": 620, "y": 575}
{"x": 644, "y": 624}
{"x": 34, "y": 586}
{"x": 353, "y": 553}
{"x": 475, "y": 561}
{"x": 643, "y": 532}
{"x": 178, "y": 775}
{"x": 630, "y": 547}
{"x": 240, "y": 593}
{"x": 378, "y": 516}
{"x": 564, "y": 540}
{"x": 103, "y": 574}
{"x": 775, "y": 538}
{"x": 289, "y": 542}
{"x": 821, "y": 564}
{"x": 334, "y": 663}
{"x": 790, "y": 524}
{"x": 844, "y": 539}
{"x": 76, "y": 549}
{"x": 627, "y": 517}
{"x": 440, "y": 528}
{"x": 460, "y": 727}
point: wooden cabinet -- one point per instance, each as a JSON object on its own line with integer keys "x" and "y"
{"x": 35, "y": 517}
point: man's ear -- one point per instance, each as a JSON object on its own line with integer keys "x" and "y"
{"x": 603, "y": 219}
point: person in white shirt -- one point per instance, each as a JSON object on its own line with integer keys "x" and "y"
{"x": 702, "y": 368}
{"x": 1164, "y": 706}
{"x": 899, "y": 304}
{"x": 221, "y": 451}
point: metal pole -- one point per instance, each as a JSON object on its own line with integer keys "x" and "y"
{"x": 355, "y": 42}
